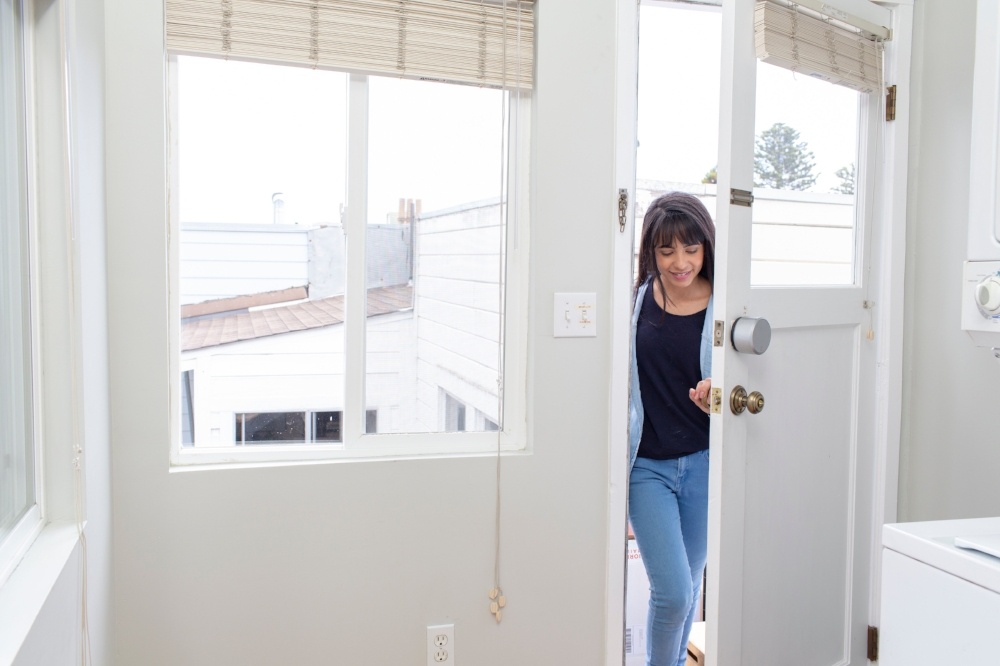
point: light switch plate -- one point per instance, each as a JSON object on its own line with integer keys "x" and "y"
{"x": 575, "y": 315}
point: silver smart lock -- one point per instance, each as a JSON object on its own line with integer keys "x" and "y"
{"x": 751, "y": 335}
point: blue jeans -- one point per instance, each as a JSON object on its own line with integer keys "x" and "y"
{"x": 668, "y": 509}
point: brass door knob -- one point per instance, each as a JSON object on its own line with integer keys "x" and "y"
{"x": 740, "y": 400}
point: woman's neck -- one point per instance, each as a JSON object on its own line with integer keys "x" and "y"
{"x": 683, "y": 300}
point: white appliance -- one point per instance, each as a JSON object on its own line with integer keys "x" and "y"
{"x": 981, "y": 273}
{"x": 940, "y": 602}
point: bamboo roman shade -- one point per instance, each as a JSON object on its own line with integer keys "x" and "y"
{"x": 480, "y": 42}
{"x": 789, "y": 38}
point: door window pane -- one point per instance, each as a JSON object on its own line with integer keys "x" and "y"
{"x": 804, "y": 180}
{"x": 435, "y": 239}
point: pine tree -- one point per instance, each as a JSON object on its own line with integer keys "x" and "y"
{"x": 781, "y": 161}
{"x": 846, "y": 176}
{"x": 712, "y": 176}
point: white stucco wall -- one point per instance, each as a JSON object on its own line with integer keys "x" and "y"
{"x": 348, "y": 563}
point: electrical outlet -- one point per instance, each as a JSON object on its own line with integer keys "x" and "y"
{"x": 441, "y": 645}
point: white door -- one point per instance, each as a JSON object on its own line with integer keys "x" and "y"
{"x": 791, "y": 487}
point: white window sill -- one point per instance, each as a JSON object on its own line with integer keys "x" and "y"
{"x": 24, "y": 593}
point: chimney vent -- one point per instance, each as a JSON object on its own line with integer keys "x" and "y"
{"x": 278, "y": 200}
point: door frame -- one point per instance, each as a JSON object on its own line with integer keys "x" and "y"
{"x": 888, "y": 255}
{"x": 622, "y": 244}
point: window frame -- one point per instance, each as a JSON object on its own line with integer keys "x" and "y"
{"x": 357, "y": 444}
{"x": 19, "y": 540}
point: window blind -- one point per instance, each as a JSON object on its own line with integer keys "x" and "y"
{"x": 481, "y": 42}
{"x": 789, "y": 38}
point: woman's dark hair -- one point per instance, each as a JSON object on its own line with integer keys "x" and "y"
{"x": 675, "y": 216}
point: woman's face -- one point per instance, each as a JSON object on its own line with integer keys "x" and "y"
{"x": 679, "y": 264}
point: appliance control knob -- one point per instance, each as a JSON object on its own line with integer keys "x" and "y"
{"x": 988, "y": 295}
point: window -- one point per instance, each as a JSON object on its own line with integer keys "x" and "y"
{"x": 276, "y": 171}
{"x": 326, "y": 427}
{"x": 804, "y": 213}
{"x": 454, "y": 414}
{"x": 19, "y": 510}
{"x": 292, "y": 427}
{"x": 187, "y": 407}
{"x": 264, "y": 428}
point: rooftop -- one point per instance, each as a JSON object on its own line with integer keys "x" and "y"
{"x": 299, "y": 316}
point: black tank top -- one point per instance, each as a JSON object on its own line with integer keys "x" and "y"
{"x": 668, "y": 355}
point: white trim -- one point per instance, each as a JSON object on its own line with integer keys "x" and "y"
{"x": 889, "y": 316}
{"x": 21, "y": 538}
{"x": 25, "y": 592}
{"x": 356, "y": 239}
{"x": 622, "y": 242}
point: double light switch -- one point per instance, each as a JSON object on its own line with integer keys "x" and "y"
{"x": 575, "y": 315}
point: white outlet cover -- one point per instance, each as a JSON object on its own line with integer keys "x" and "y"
{"x": 574, "y": 315}
{"x": 441, "y": 645}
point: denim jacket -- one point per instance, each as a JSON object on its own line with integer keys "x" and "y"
{"x": 635, "y": 410}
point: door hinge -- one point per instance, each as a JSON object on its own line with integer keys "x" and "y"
{"x": 890, "y": 103}
{"x": 740, "y": 197}
{"x": 622, "y": 209}
{"x": 872, "y": 643}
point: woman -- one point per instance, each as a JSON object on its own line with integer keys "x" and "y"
{"x": 669, "y": 407}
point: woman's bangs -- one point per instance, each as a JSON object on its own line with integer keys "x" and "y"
{"x": 676, "y": 227}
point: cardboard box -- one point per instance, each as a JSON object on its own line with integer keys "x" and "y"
{"x": 696, "y": 645}
{"x": 636, "y": 607}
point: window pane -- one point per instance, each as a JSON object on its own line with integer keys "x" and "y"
{"x": 804, "y": 180}
{"x": 326, "y": 427}
{"x": 270, "y": 428}
{"x": 187, "y": 408}
{"x": 435, "y": 248}
{"x": 260, "y": 160}
{"x": 17, "y": 487}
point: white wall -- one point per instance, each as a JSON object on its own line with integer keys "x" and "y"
{"x": 347, "y": 563}
{"x": 949, "y": 451}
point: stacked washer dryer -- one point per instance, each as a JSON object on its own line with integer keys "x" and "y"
{"x": 981, "y": 275}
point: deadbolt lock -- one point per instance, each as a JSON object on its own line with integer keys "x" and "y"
{"x": 740, "y": 400}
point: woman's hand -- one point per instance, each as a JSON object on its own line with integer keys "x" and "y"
{"x": 701, "y": 395}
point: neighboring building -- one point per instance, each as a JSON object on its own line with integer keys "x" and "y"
{"x": 262, "y": 335}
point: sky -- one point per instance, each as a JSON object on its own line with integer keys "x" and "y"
{"x": 247, "y": 131}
